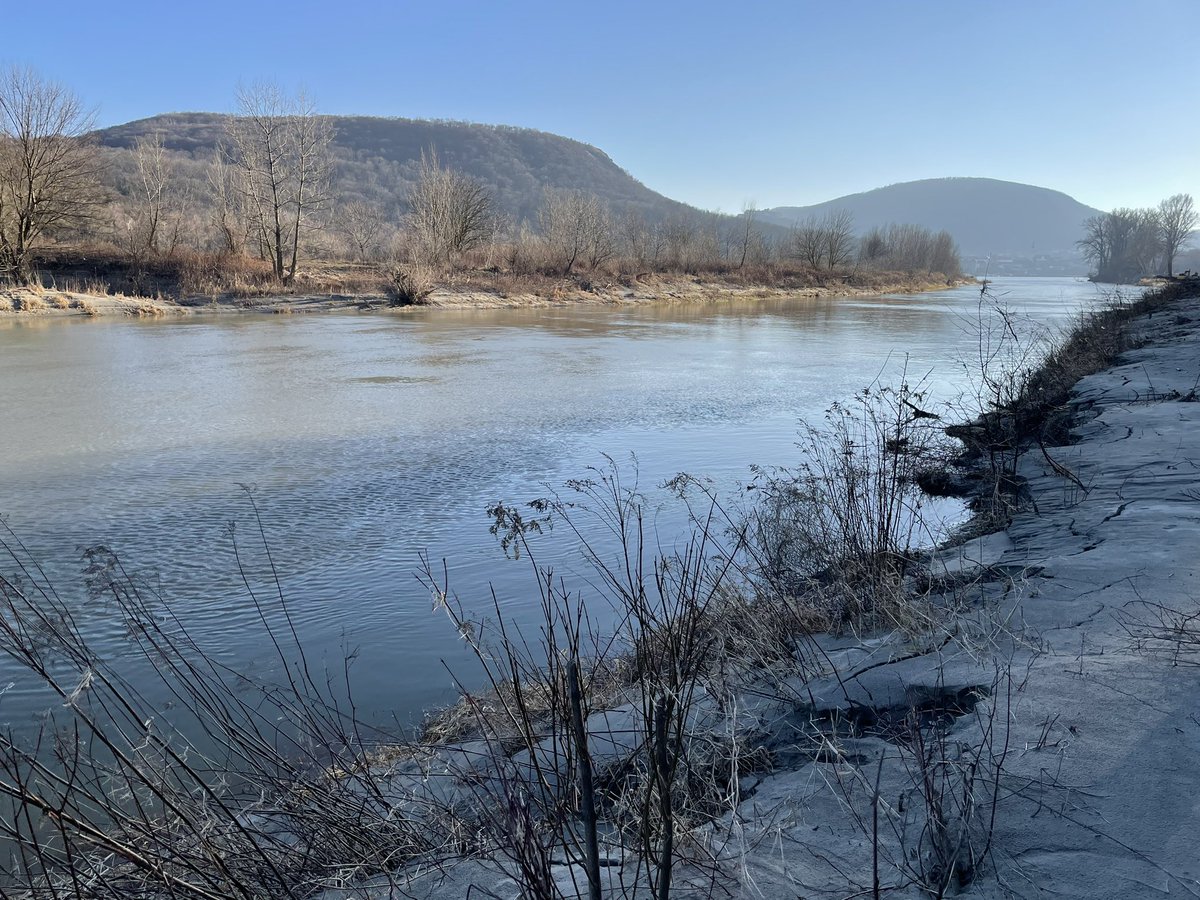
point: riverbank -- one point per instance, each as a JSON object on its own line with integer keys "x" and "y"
{"x": 1041, "y": 738}
{"x": 478, "y": 292}
{"x": 808, "y": 761}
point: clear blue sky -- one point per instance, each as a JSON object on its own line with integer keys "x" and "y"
{"x": 713, "y": 103}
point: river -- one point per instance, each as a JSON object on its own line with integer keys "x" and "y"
{"x": 367, "y": 438}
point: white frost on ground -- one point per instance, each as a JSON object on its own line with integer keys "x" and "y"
{"x": 1113, "y": 804}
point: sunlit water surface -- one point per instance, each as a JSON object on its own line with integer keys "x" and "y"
{"x": 367, "y": 439}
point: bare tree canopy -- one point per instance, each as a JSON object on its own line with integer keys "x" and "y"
{"x": 643, "y": 242}
{"x": 577, "y": 228}
{"x": 1177, "y": 218}
{"x": 362, "y": 224}
{"x": 228, "y": 218}
{"x": 808, "y": 243}
{"x": 838, "y": 229}
{"x": 156, "y": 222}
{"x": 282, "y": 148}
{"x": 825, "y": 244}
{"x": 450, "y": 212}
{"x": 153, "y": 175}
{"x": 1124, "y": 244}
{"x": 748, "y": 236}
{"x": 912, "y": 248}
{"x": 49, "y": 173}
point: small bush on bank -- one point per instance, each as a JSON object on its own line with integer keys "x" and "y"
{"x": 410, "y": 284}
{"x": 841, "y": 530}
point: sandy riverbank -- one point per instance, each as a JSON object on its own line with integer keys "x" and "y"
{"x": 39, "y": 302}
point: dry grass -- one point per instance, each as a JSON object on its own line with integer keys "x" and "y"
{"x": 510, "y": 274}
{"x": 85, "y": 306}
{"x": 1024, "y": 388}
{"x": 110, "y": 800}
{"x": 841, "y": 531}
{"x": 215, "y": 275}
{"x": 28, "y": 303}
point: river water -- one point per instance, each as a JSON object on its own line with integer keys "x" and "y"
{"x": 366, "y": 439}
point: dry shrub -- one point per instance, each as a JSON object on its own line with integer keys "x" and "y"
{"x": 85, "y": 306}
{"x": 1023, "y": 378}
{"x": 410, "y": 284}
{"x": 840, "y": 532}
{"x": 28, "y": 303}
{"x": 109, "y": 799}
{"x": 676, "y": 615}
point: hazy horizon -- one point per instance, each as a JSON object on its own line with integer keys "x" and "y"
{"x": 781, "y": 105}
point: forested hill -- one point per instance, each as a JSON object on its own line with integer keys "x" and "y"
{"x": 1021, "y": 228}
{"x": 377, "y": 159}
{"x": 986, "y": 217}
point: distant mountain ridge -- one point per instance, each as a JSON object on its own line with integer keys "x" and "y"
{"x": 988, "y": 217}
{"x": 377, "y": 159}
{"x": 1017, "y": 226}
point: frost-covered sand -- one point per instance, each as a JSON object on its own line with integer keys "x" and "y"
{"x": 1110, "y": 806}
{"x": 1100, "y": 791}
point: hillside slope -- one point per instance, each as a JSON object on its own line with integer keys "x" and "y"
{"x": 377, "y": 159}
{"x": 987, "y": 217}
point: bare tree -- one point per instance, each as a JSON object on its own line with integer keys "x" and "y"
{"x": 151, "y": 158}
{"x": 450, "y": 212}
{"x": 943, "y": 255}
{"x": 1096, "y": 245}
{"x": 873, "y": 248}
{"x": 808, "y": 243}
{"x": 228, "y": 219}
{"x": 49, "y": 173}
{"x": 161, "y": 203}
{"x": 837, "y": 231}
{"x": 577, "y": 227}
{"x": 682, "y": 239}
{"x": 643, "y": 242}
{"x": 910, "y": 248}
{"x": 282, "y": 148}
{"x": 362, "y": 224}
{"x": 1177, "y": 219}
{"x": 1124, "y": 244}
{"x": 748, "y": 236}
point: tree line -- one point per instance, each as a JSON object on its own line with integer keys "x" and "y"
{"x": 269, "y": 196}
{"x": 1126, "y": 245}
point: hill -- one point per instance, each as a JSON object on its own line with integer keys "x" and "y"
{"x": 376, "y": 159}
{"x": 1019, "y": 226}
{"x": 1015, "y": 228}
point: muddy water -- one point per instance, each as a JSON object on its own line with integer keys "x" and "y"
{"x": 366, "y": 439}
